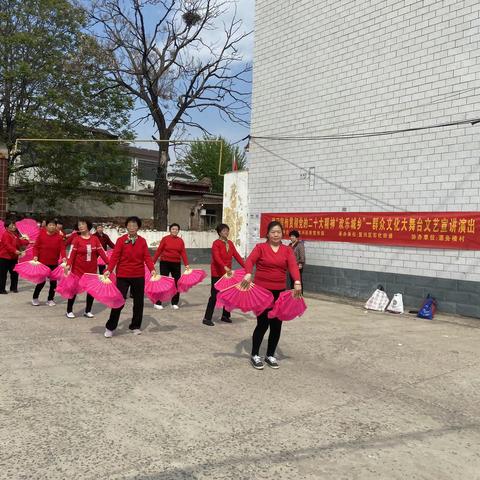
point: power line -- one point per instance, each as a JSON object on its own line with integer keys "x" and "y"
{"x": 472, "y": 121}
{"x": 362, "y": 196}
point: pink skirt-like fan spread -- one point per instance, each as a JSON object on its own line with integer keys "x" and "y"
{"x": 159, "y": 288}
{"x": 287, "y": 307}
{"x": 227, "y": 281}
{"x": 255, "y": 299}
{"x": 189, "y": 279}
{"x": 32, "y": 271}
{"x": 69, "y": 286}
{"x": 102, "y": 289}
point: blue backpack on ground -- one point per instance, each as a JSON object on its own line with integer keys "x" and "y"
{"x": 428, "y": 309}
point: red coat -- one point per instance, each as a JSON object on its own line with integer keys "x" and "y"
{"x": 10, "y": 243}
{"x": 171, "y": 249}
{"x": 105, "y": 240}
{"x": 49, "y": 248}
{"x": 130, "y": 259}
{"x": 222, "y": 258}
{"x": 84, "y": 255}
{"x": 272, "y": 267}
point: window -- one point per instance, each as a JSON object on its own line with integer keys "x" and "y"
{"x": 146, "y": 170}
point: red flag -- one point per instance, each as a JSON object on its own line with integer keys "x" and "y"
{"x": 234, "y": 164}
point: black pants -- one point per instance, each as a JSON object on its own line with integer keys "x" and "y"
{"x": 137, "y": 288}
{"x": 174, "y": 268}
{"x": 212, "y": 301}
{"x": 88, "y": 306}
{"x": 101, "y": 269}
{"x": 291, "y": 282}
{"x": 263, "y": 322}
{"x": 6, "y": 266}
{"x": 53, "y": 286}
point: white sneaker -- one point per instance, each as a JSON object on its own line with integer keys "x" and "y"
{"x": 50, "y": 303}
{"x": 89, "y": 315}
{"x": 35, "y": 302}
{"x": 158, "y": 307}
{"x": 175, "y": 307}
{"x": 136, "y": 331}
{"x": 108, "y": 333}
{"x": 70, "y": 315}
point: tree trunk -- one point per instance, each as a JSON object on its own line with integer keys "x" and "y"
{"x": 160, "y": 191}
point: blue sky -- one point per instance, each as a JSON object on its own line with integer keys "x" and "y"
{"x": 211, "y": 118}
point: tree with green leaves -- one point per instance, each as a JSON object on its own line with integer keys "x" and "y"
{"x": 53, "y": 85}
{"x": 202, "y": 160}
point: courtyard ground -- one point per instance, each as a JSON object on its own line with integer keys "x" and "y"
{"x": 357, "y": 396}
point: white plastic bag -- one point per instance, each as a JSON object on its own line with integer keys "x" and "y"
{"x": 396, "y": 305}
{"x": 378, "y": 301}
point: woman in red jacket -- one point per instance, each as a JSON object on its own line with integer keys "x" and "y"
{"x": 11, "y": 246}
{"x": 272, "y": 260}
{"x": 129, "y": 257}
{"x": 48, "y": 249}
{"x": 223, "y": 250}
{"x": 170, "y": 251}
{"x": 86, "y": 249}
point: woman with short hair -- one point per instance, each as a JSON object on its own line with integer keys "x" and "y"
{"x": 272, "y": 260}
{"x": 83, "y": 258}
{"x": 48, "y": 249}
{"x": 11, "y": 246}
{"x": 129, "y": 258}
{"x": 171, "y": 252}
{"x": 223, "y": 251}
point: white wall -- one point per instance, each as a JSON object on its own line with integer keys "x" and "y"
{"x": 358, "y": 66}
{"x": 192, "y": 239}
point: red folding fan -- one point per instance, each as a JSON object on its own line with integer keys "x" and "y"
{"x": 32, "y": 271}
{"x": 189, "y": 279}
{"x": 100, "y": 259}
{"x": 28, "y": 228}
{"x": 253, "y": 299}
{"x": 287, "y": 307}
{"x": 102, "y": 289}
{"x": 229, "y": 280}
{"x": 69, "y": 286}
{"x": 58, "y": 273}
{"x": 160, "y": 288}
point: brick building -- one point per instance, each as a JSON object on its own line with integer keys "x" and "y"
{"x": 335, "y": 68}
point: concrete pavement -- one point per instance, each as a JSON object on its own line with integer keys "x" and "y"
{"x": 357, "y": 396}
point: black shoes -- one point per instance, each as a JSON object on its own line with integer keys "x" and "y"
{"x": 256, "y": 362}
{"x": 208, "y": 322}
{"x": 271, "y": 362}
{"x": 4, "y": 292}
{"x": 226, "y": 319}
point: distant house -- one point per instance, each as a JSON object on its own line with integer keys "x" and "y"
{"x": 191, "y": 202}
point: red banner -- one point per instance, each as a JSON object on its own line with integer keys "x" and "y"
{"x": 458, "y": 230}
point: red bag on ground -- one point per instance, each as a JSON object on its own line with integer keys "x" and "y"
{"x": 189, "y": 279}
{"x": 102, "y": 289}
{"x": 255, "y": 299}
{"x": 32, "y": 271}
{"x": 287, "y": 307}
{"x": 159, "y": 288}
{"x": 227, "y": 281}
